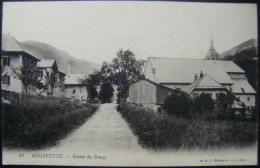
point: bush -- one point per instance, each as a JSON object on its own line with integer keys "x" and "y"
{"x": 178, "y": 103}
{"x": 37, "y": 122}
{"x": 204, "y": 107}
{"x": 160, "y": 132}
{"x": 224, "y": 106}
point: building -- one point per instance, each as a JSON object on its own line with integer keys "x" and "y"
{"x": 73, "y": 89}
{"x": 148, "y": 93}
{"x": 212, "y": 54}
{"x": 179, "y": 73}
{"x": 48, "y": 69}
{"x": 15, "y": 56}
{"x": 205, "y": 84}
{"x": 60, "y": 91}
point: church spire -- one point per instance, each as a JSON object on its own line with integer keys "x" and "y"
{"x": 211, "y": 42}
{"x": 212, "y": 54}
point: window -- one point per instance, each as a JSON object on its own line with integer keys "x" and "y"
{"x": 210, "y": 94}
{"x": 6, "y": 61}
{"x": 73, "y": 91}
{"x": 195, "y": 95}
{"x": 217, "y": 95}
{"x": 6, "y": 80}
{"x": 248, "y": 98}
{"x": 238, "y": 98}
{"x": 40, "y": 74}
{"x": 48, "y": 74}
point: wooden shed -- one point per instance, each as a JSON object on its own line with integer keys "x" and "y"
{"x": 146, "y": 92}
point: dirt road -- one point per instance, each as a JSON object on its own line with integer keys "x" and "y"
{"x": 105, "y": 130}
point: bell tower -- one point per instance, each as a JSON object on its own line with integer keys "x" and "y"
{"x": 212, "y": 54}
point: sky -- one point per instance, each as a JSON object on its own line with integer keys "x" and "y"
{"x": 96, "y": 31}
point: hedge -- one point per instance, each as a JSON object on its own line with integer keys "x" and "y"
{"x": 156, "y": 131}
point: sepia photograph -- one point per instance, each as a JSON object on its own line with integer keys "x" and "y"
{"x": 129, "y": 83}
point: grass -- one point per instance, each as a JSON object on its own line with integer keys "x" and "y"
{"x": 37, "y": 122}
{"x": 163, "y": 132}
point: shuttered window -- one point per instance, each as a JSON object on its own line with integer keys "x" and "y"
{"x": 6, "y": 61}
{"x": 6, "y": 80}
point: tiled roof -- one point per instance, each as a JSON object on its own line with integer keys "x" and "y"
{"x": 73, "y": 79}
{"x": 46, "y": 63}
{"x": 9, "y": 43}
{"x": 205, "y": 82}
{"x": 178, "y": 70}
{"x": 241, "y": 86}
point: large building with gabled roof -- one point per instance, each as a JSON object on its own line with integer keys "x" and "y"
{"x": 15, "y": 55}
{"x": 181, "y": 73}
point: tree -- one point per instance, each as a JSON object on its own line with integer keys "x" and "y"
{"x": 178, "y": 103}
{"x": 52, "y": 81}
{"x": 27, "y": 75}
{"x": 106, "y": 92}
{"x": 204, "y": 107}
{"x": 224, "y": 104}
{"x": 124, "y": 70}
{"x": 91, "y": 82}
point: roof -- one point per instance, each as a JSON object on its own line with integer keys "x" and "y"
{"x": 205, "y": 82}
{"x": 46, "y": 63}
{"x": 73, "y": 79}
{"x": 229, "y": 66}
{"x": 242, "y": 86}
{"x": 60, "y": 71}
{"x": 180, "y": 70}
{"x": 9, "y": 43}
{"x": 152, "y": 83}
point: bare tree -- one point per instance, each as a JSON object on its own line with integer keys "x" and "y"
{"x": 52, "y": 81}
{"x": 27, "y": 75}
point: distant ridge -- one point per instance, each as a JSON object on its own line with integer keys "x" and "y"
{"x": 244, "y": 51}
{"x": 66, "y": 62}
{"x": 245, "y": 55}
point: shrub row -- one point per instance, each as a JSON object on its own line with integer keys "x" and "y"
{"x": 162, "y": 131}
{"x": 40, "y": 122}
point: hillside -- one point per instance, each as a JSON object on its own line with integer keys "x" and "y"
{"x": 245, "y": 55}
{"x": 64, "y": 60}
{"x": 244, "y": 51}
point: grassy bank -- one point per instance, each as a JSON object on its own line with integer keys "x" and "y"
{"x": 37, "y": 122}
{"x": 161, "y": 131}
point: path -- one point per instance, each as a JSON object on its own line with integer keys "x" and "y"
{"x": 105, "y": 130}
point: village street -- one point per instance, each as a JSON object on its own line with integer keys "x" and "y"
{"x": 106, "y": 130}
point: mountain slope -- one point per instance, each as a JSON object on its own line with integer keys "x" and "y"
{"x": 244, "y": 51}
{"x": 65, "y": 61}
{"x": 245, "y": 55}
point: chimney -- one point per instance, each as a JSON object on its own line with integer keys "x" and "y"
{"x": 153, "y": 71}
{"x": 201, "y": 74}
{"x": 195, "y": 77}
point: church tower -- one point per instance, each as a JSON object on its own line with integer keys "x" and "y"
{"x": 212, "y": 54}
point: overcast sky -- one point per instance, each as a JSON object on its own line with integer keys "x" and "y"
{"x": 95, "y": 31}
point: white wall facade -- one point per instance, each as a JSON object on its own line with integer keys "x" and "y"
{"x": 248, "y": 99}
{"x": 213, "y": 93}
{"x": 76, "y": 92}
{"x": 15, "y": 84}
